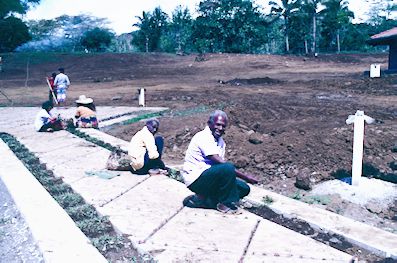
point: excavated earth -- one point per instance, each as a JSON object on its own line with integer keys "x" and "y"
{"x": 287, "y": 113}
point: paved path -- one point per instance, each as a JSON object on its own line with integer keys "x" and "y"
{"x": 149, "y": 209}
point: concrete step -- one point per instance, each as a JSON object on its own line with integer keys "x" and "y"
{"x": 57, "y": 236}
{"x": 376, "y": 240}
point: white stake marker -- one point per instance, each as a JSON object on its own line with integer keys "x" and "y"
{"x": 358, "y": 143}
{"x": 141, "y": 99}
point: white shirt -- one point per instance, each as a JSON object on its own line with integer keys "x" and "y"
{"x": 202, "y": 145}
{"x": 61, "y": 81}
{"x": 42, "y": 117}
{"x": 141, "y": 142}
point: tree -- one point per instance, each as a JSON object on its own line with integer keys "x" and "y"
{"x": 42, "y": 28}
{"x": 380, "y": 10}
{"x": 286, "y": 9}
{"x": 311, "y": 7}
{"x": 9, "y": 7}
{"x": 178, "y": 35}
{"x": 335, "y": 17}
{"x": 13, "y": 31}
{"x": 228, "y": 26}
{"x": 151, "y": 27}
{"x": 97, "y": 39}
{"x": 63, "y": 33}
{"x": 301, "y": 28}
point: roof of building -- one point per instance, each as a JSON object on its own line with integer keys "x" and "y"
{"x": 384, "y": 38}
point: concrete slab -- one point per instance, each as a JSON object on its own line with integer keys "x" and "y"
{"x": 97, "y": 134}
{"x": 77, "y": 153}
{"x": 378, "y": 241}
{"x": 47, "y": 142}
{"x": 116, "y": 120}
{"x": 71, "y": 172}
{"x": 98, "y": 191}
{"x": 56, "y": 234}
{"x": 274, "y": 243}
{"x": 202, "y": 235}
{"x": 147, "y": 206}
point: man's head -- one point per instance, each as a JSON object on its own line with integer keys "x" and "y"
{"x": 47, "y": 105}
{"x": 61, "y": 70}
{"x": 217, "y": 123}
{"x": 153, "y": 125}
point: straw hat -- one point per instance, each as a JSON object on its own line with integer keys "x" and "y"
{"x": 84, "y": 100}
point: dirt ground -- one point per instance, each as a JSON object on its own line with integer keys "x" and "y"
{"x": 287, "y": 113}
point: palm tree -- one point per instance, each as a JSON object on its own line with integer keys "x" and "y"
{"x": 144, "y": 27}
{"x": 285, "y": 8}
{"x": 312, "y": 6}
{"x": 335, "y": 15}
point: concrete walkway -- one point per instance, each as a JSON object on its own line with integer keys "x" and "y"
{"x": 149, "y": 209}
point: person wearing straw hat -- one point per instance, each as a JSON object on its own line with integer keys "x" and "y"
{"x": 86, "y": 113}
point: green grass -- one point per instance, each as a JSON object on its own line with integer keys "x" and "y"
{"x": 267, "y": 200}
{"x": 142, "y": 117}
{"x": 96, "y": 227}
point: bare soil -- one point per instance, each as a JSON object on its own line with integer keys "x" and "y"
{"x": 287, "y": 113}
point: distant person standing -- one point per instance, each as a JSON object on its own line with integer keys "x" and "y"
{"x": 53, "y": 91}
{"x": 61, "y": 83}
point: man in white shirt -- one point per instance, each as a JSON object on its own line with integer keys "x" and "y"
{"x": 45, "y": 121}
{"x": 145, "y": 150}
{"x": 61, "y": 83}
{"x": 207, "y": 174}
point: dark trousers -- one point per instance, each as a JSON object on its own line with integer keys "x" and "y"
{"x": 219, "y": 183}
{"x": 153, "y": 163}
{"x": 55, "y": 125}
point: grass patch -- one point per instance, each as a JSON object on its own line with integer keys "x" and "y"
{"x": 189, "y": 112}
{"x": 98, "y": 228}
{"x": 267, "y": 200}
{"x": 81, "y": 212}
{"x": 317, "y": 199}
{"x": 142, "y": 117}
{"x": 93, "y": 140}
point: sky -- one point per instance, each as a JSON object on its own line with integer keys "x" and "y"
{"x": 122, "y": 13}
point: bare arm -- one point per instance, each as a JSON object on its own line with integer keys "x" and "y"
{"x": 247, "y": 177}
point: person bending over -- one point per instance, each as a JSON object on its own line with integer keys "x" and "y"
{"x": 145, "y": 150}
{"x": 45, "y": 121}
{"x": 205, "y": 171}
{"x": 86, "y": 113}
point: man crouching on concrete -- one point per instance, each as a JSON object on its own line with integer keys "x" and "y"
{"x": 145, "y": 150}
{"x": 207, "y": 174}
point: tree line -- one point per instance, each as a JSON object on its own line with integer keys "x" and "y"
{"x": 238, "y": 26}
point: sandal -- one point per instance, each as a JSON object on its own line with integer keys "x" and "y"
{"x": 154, "y": 171}
{"x": 193, "y": 201}
{"x": 231, "y": 210}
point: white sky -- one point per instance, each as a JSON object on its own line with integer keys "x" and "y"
{"x": 121, "y": 13}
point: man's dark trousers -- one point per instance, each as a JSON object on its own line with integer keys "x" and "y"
{"x": 219, "y": 183}
{"x": 153, "y": 163}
